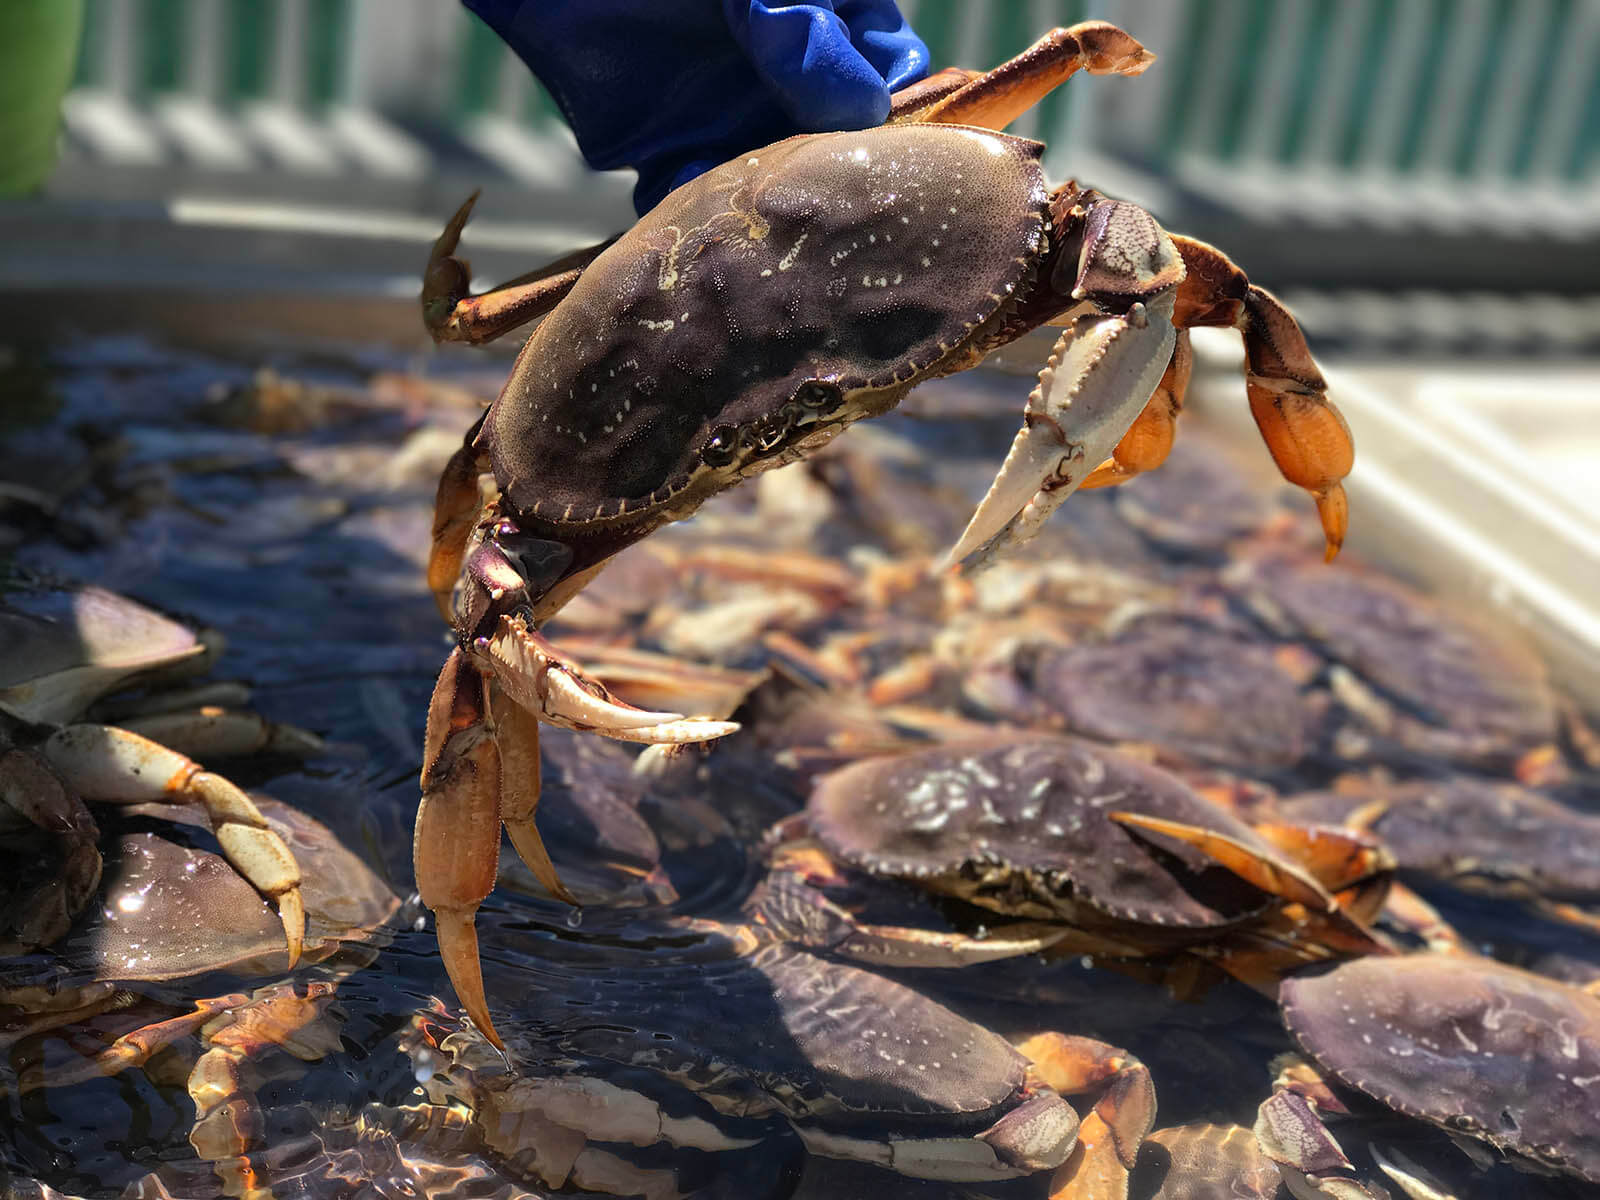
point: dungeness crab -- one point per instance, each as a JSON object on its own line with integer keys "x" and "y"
{"x": 1493, "y": 1055}
{"x": 743, "y": 323}
{"x": 62, "y": 648}
{"x": 1121, "y": 858}
{"x": 152, "y": 967}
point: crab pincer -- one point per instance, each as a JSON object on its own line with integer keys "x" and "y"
{"x": 1099, "y": 378}
{"x": 481, "y": 770}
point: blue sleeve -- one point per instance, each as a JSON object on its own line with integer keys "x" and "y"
{"x": 675, "y": 87}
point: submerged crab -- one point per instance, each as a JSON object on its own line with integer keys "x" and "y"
{"x": 63, "y": 648}
{"x": 1192, "y": 691}
{"x": 1203, "y": 1162}
{"x": 744, "y": 322}
{"x": 1412, "y": 678}
{"x": 123, "y": 988}
{"x": 1489, "y": 1053}
{"x": 1464, "y": 834}
{"x": 1114, "y": 857}
{"x": 656, "y": 1051}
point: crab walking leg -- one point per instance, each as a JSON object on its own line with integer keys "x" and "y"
{"x": 996, "y": 98}
{"x": 211, "y": 732}
{"x": 103, "y": 762}
{"x": 453, "y": 315}
{"x": 908, "y": 103}
{"x": 1100, "y": 376}
{"x": 457, "y": 848}
{"x": 455, "y": 512}
{"x": 229, "y": 1122}
{"x": 1353, "y": 865}
{"x": 1306, "y": 434}
{"x": 533, "y": 672}
{"x": 131, "y": 1049}
{"x": 1149, "y": 439}
{"x": 1408, "y": 910}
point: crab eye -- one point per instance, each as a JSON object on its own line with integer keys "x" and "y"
{"x": 818, "y": 396}
{"x": 719, "y": 447}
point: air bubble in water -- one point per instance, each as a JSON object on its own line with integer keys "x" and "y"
{"x": 422, "y": 1065}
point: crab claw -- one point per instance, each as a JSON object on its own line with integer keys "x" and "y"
{"x": 535, "y": 674}
{"x": 1099, "y": 377}
{"x": 1107, "y": 50}
{"x": 446, "y": 279}
{"x": 1111, "y": 1132}
{"x": 1277, "y": 877}
{"x": 457, "y": 841}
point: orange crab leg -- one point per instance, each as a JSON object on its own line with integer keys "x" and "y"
{"x": 1149, "y": 439}
{"x": 1275, "y": 878}
{"x": 228, "y": 1123}
{"x": 996, "y": 98}
{"x": 452, "y": 314}
{"x": 1406, "y": 908}
{"x": 915, "y": 98}
{"x": 1306, "y": 434}
{"x": 1354, "y": 865}
{"x": 1094, "y": 1170}
{"x": 132, "y": 1049}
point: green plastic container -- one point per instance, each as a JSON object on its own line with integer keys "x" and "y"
{"x": 38, "y": 49}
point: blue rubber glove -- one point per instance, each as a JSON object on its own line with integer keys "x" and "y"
{"x": 675, "y": 87}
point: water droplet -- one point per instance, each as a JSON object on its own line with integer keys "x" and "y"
{"x": 574, "y": 917}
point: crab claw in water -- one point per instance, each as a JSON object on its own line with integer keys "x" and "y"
{"x": 1099, "y": 377}
{"x": 481, "y": 771}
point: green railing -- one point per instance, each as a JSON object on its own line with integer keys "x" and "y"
{"x": 1464, "y": 89}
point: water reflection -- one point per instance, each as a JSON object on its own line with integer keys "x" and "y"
{"x": 293, "y": 517}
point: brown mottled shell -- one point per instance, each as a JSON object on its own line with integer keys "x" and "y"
{"x": 1477, "y": 690}
{"x": 859, "y": 1038}
{"x": 1477, "y": 833}
{"x": 1204, "y": 1162}
{"x": 1199, "y": 693}
{"x": 1471, "y": 1045}
{"x": 861, "y": 259}
{"x": 1035, "y": 810}
{"x": 153, "y": 886}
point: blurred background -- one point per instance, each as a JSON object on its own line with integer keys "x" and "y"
{"x": 1419, "y": 180}
{"x": 1385, "y": 157}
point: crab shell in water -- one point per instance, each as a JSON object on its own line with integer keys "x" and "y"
{"x": 757, "y": 312}
{"x": 1467, "y": 1044}
{"x": 158, "y": 885}
{"x": 1024, "y": 825}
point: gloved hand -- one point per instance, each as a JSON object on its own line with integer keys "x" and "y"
{"x": 675, "y": 87}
